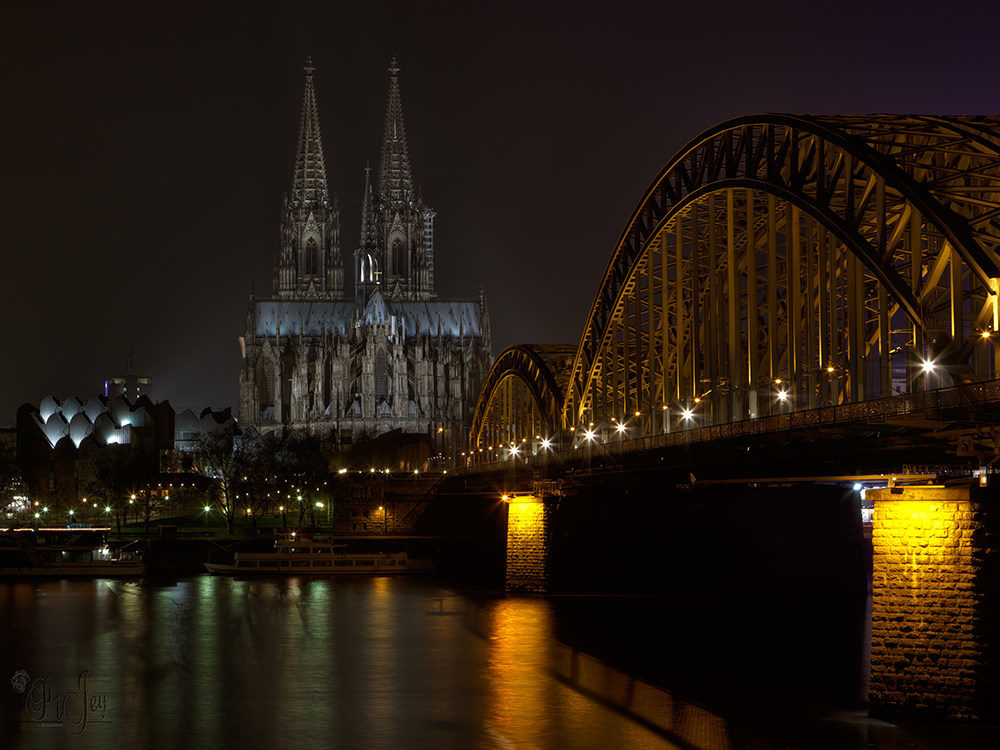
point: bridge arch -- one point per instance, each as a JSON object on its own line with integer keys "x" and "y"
{"x": 521, "y": 402}
{"x": 784, "y": 262}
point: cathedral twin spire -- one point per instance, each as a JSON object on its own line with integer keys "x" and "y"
{"x": 395, "y": 247}
{"x": 308, "y": 262}
{"x": 309, "y": 182}
{"x": 395, "y": 181}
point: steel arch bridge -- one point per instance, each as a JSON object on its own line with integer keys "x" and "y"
{"x": 788, "y": 262}
{"x": 520, "y": 407}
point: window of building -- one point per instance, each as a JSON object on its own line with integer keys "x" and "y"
{"x": 311, "y": 257}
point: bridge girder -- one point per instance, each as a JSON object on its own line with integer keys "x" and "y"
{"x": 521, "y": 400}
{"x": 782, "y": 262}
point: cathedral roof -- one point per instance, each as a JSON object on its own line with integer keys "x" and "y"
{"x": 376, "y": 311}
{"x": 454, "y": 317}
{"x": 291, "y": 317}
{"x": 309, "y": 182}
{"x": 395, "y": 179}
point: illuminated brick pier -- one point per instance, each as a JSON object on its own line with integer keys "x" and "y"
{"x": 528, "y": 528}
{"x": 934, "y": 608}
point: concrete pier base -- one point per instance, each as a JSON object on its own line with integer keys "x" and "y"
{"x": 934, "y": 603}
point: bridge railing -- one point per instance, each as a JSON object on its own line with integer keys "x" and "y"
{"x": 968, "y": 396}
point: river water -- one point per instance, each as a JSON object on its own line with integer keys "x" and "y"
{"x": 404, "y": 662}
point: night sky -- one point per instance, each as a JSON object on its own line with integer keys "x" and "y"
{"x": 146, "y": 151}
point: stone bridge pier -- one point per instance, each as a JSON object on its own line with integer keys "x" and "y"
{"x": 935, "y": 603}
{"x": 529, "y": 527}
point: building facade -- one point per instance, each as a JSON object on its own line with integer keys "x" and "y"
{"x": 387, "y": 355}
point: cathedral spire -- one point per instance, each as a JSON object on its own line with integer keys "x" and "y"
{"x": 309, "y": 182}
{"x": 395, "y": 179}
{"x": 368, "y": 240}
{"x": 308, "y": 261}
{"x": 367, "y": 258}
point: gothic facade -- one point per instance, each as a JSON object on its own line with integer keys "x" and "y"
{"x": 387, "y": 355}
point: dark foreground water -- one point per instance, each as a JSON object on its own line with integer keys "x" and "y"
{"x": 405, "y": 663}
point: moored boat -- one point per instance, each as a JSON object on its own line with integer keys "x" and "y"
{"x": 65, "y": 551}
{"x": 300, "y": 555}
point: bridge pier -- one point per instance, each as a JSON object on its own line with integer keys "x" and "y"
{"x": 935, "y": 603}
{"x": 529, "y": 521}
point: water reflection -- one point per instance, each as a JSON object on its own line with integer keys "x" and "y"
{"x": 368, "y": 663}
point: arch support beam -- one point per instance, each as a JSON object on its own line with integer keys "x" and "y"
{"x": 785, "y": 262}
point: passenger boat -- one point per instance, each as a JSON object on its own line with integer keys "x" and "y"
{"x": 65, "y": 551}
{"x": 297, "y": 554}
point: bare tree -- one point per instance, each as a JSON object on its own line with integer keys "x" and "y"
{"x": 257, "y": 486}
{"x": 304, "y": 471}
{"x": 110, "y": 484}
{"x": 222, "y": 464}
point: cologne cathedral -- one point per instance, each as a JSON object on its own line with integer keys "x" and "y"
{"x": 387, "y": 355}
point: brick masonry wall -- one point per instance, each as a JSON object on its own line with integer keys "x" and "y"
{"x": 528, "y": 525}
{"x": 933, "y": 604}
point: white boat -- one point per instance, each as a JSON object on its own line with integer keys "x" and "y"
{"x": 65, "y": 551}
{"x": 297, "y": 554}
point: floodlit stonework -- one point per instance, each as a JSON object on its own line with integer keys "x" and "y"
{"x": 528, "y": 523}
{"x": 933, "y": 624}
{"x": 389, "y": 354}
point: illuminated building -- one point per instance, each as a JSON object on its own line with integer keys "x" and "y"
{"x": 62, "y": 443}
{"x": 387, "y": 355}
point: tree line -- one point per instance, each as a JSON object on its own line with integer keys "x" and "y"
{"x": 244, "y": 474}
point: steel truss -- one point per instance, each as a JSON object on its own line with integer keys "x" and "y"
{"x": 789, "y": 262}
{"x": 521, "y": 403}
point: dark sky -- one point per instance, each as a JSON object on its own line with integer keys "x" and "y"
{"x": 145, "y": 151}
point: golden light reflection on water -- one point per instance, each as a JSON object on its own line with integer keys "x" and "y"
{"x": 536, "y": 700}
{"x": 373, "y": 662}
